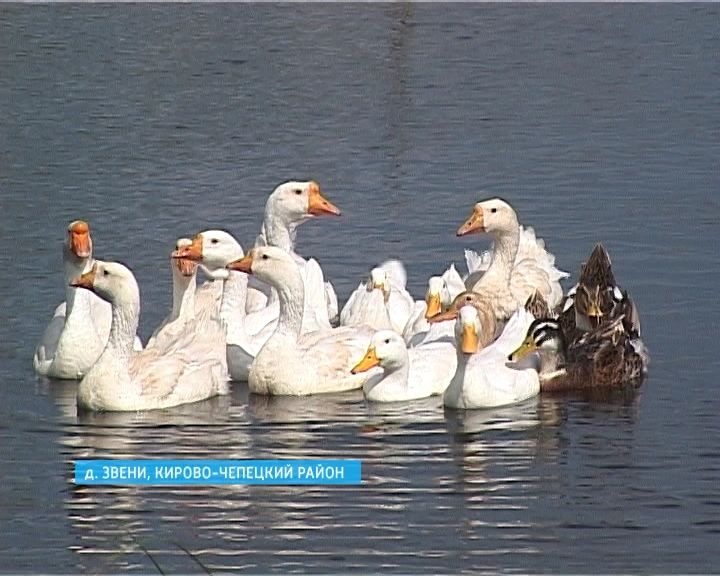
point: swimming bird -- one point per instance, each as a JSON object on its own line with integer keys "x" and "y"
{"x": 179, "y": 371}
{"x": 512, "y": 276}
{"x": 290, "y": 362}
{"x": 407, "y": 374}
{"x": 484, "y": 378}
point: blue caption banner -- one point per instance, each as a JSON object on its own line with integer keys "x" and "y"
{"x": 204, "y": 472}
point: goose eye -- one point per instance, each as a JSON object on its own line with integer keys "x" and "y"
{"x": 387, "y": 340}
{"x": 298, "y": 192}
{"x": 493, "y": 210}
{"x": 214, "y": 241}
{"x": 106, "y": 273}
{"x": 264, "y": 256}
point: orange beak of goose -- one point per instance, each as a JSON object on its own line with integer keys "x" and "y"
{"x": 318, "y": 205}
{"x": 244, "y": 264}
{"x": 474, "y": 224}
{"x": 80, "y": 239}
{"x": 192, "y": 252}
{"x": 86, "y": 280}
{"x": 449, "y": 314}
{"x": 186, "y": 266}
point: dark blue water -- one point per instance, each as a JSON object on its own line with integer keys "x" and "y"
{"x": 597, "y": 122}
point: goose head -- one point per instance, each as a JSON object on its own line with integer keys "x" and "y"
{"x": 467, "y": 298}
{"x": 494, "y": 216}
{"x": 184, "y": 266}
{"x": 468, "y": 329}
{"x": 214, "y": 249}
{"x": 387, "y": 349}
{"x": 270, "y": 264}
{"x": 294, "y": 202}
{"x": 379, "y": 280}
{"x": 79, "y": 243}
{"x": 543, "y": 336}
{"x": 111, "y": 281}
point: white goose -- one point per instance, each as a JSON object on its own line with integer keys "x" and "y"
{"x": 406, "y": 374}
{"x": 484, "y": 378}
{"x": 512, "y": 275}
{"x": 80, "y": 326}
{"x": 180, "y": 371}
{"x": 188, "y": 303}
{"x": 382, "y": 302}
{"x": 292, "y": 363}
{"x": 246, "y": 332}
{"x": 441, "y": 292}
{"x": 290, "y": 205}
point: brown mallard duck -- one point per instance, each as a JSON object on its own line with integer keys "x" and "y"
{"x": 592, "y": 300}
{"x": 607, "y": 357}
{"x": 537, "y": 305}
{"x": 597, "y": 270}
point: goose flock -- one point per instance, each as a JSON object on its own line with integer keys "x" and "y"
{"x": 499, "y": 334}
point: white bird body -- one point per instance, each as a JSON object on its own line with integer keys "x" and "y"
{"x": 485, "y": 379}
{"x": 177, "y": 371}
{"x": 441, "y": 291}
{"x": 382, "y": 302}
{"x": 79, "y": 328}
{"x": 290, "y": 205}
{"x": 405, "y": 374}
{"x": 519, "y": 264}
{"x": 290, "y": 362}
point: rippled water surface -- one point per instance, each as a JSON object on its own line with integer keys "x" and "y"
{"x": 597, "y": 122}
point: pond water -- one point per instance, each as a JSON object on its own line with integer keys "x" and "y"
{"x": 596, "y": 122}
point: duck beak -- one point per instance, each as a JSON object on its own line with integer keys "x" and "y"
{"x": 318, "y": 205}
{"x": 469, "y": 339}
{"x": 244, "y": 264}
{"x": 434, "y": 306}
{"x": 86, "y": 280}
{"x": 474, "y": 224}
{"x": 80, "y": 239}
{"x": 525, "y": 348}
{"x": 192, "y": 252}
{"x": 369, "y": 361}
{"x": 594, "y": 314}
{"x": 449, "y": 314}
{"x": 186, "y": 266}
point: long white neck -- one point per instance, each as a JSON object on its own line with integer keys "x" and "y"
{"x": 278, "y": 231}
{"x": 234, "y": 297}
{"x": 504, "y": 252}
{"x": 183, "y": 295}
{"x": 291, "y": 294}
{"x": 123, "y": 329}
{"x": 72, "y": 268}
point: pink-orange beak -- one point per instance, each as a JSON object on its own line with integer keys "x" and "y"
{"x": 474, "y": 224}
{"x": 244, "y": 264}
{"x": 318, "y": 205}
{"x": 80, "y": 244}
{"x": 86, "y": 280}
{"x": 192, "y": 252}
